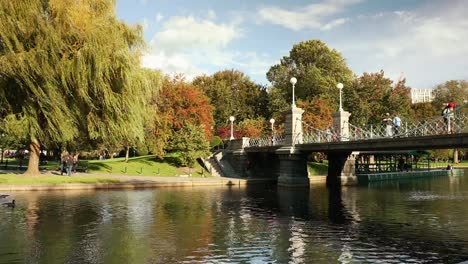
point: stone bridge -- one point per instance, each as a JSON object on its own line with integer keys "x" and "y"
{"x": 285, "y": 158}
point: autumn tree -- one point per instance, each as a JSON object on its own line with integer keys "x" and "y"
{"x": 317, "y": 68}
{"x": 317, "y": 113}
{"x": 253, "y": 128}
{"x": 70, "y": 69}
{"x": 232, "y": 93}
{"x": 179, "y": 104}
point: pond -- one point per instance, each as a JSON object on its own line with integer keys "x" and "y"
{"x": 414, "y": 221}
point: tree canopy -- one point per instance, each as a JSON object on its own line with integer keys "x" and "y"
{"x": 71, "y": 69}
{"x": 381, "y": 96}
{"x": 317, "y": 68}
{"x": 453, "y": 90}
{"x": 232, "y": 93}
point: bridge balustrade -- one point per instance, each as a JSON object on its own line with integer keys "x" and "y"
{"x": 276, "y": 140}
{"x": 437, "y": 126}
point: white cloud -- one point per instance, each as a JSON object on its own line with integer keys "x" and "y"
{"x": 159, "y": 17}
{"x": 181, "y": 33}
{"x": 193, "y": 46}
{"x": 312, "y": 16}
{"x": 427, "y": 44}
{"x": 334, "y": 23}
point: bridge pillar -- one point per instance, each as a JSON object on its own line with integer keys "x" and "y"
{"x": 292, "y": 164}
{"x": 237, "y": 157}
{"x": 292, "y": 170}
{"x": 293, "y": 127}
{"x": 341, "y": 168}
{"x": 341, "y": 124}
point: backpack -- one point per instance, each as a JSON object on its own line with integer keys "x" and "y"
{"x": 444, "y": 111}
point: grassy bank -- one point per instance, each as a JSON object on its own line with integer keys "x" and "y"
{"x": 136, "y": 166}
{"x": 318, "y": 169}
{"x": 19, "y": 179}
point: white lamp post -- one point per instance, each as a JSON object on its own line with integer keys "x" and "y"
{"x": 340, "y": 87}
{"x": 293, "y": 81}
{"x": 231, "y": 118}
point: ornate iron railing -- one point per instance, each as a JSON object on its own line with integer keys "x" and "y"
{"x": 314, "y": 135}
{"x": 276, "y": 140}
{"x": 458, "y": 123}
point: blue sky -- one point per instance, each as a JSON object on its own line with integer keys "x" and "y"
{"x": 424, "y": 41}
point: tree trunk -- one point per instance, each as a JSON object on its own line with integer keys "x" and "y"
{"x": 127, "y": 151}
{"x": 33, "y": 166}
{"x": 455, "y": 156}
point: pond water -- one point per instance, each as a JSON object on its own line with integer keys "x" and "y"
{"x": 415, "y": 221}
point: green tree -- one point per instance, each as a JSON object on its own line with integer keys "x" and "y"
{"x": 190, "y": 143}
{"x": 232, "y": 93}
{"x": 70, "y": 70}
{"x": 453, "y": 90}
{"x": 317, "y": 68}
{"x": 423, "y": 111}
{"x": 372, "y": 95}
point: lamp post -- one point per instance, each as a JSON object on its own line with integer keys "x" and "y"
{"x": 340, "y": 87}
{"x": 272, "y": 121}
{"x": 231, "y": 118}
{"x": 293, "y": 81}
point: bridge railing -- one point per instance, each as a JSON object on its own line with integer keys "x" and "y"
{"x": 438, "y": 126}
{"x": 314, "y": 135}
{"x": 276, "y": 140}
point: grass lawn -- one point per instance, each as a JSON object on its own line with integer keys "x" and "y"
{"x": 136, "y": 166}
{"x": 316, "y": 168}
{"x": 143, "y": 166}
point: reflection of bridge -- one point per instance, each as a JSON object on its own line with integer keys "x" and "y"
{"x": 284, "y": 156}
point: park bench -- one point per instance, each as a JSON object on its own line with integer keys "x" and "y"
{"x": 81, "y": 166}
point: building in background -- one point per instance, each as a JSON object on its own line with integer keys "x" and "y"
{"x": 421, "y": 95}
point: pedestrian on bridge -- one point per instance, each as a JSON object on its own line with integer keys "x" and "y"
{"x": 396, "y": 124}
{"x": 449, "y": 116}
{"x": 388, "y": 125}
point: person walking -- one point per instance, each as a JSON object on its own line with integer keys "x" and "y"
{"x": 449, "y": 116}
{"x": 70, "y": 160}
{"x": 396, "y": 124}
{"x": 388, "y": 125}
{"x": 63, "y": 162}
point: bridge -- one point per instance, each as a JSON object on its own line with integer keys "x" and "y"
{"x": 284, "y": 156}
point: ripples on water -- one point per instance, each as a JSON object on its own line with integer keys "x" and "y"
{"x": 421, "y": 221}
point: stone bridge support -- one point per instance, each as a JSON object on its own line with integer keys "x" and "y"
{"x": 292, "y": 163}
{"x": 341, "y": 168}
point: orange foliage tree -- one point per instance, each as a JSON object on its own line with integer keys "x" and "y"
{"x": 181, "y": 102}
{"x": 317, "y": 113}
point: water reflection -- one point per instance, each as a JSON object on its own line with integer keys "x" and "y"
{"x": 419, "y": 221}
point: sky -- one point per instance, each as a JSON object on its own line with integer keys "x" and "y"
{"x": 424, "y": 41}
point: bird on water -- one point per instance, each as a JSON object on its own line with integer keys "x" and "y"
{"x": 4, "y": 195}
{"x": 11, "y": 204}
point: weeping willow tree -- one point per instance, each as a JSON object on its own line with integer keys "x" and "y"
{"x": 70, "y": 69}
